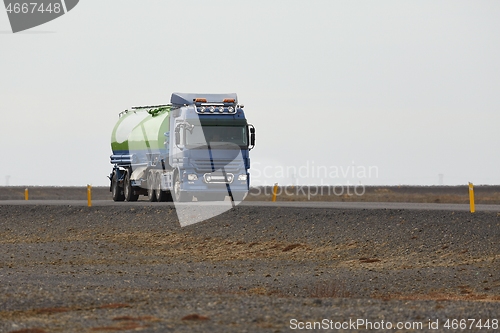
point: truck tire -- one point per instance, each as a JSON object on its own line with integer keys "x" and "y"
{"x": 116, "y": 190}
{"x": 160, "y": 195}
{"x": 151, "y": 187}
{"x": 128, "y": 191}
{"x": 178, "y": 195}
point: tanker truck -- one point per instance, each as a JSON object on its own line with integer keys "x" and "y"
{"x": 197, "y": 146}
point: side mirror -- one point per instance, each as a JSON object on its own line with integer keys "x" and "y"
{"x": 252, "y": 137}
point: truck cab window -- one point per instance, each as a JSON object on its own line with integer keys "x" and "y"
{"x": 217, "y": 135}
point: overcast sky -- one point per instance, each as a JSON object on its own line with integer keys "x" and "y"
{"x": 399, "y": 92}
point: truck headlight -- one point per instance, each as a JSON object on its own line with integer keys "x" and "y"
{"x": 192, "y": 177}
{"x": 242, "y": 177}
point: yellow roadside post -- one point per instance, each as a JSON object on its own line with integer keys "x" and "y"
{"x": 89, "y": 195}
{"x": 471, "y": 198}
{"x": 275, "y": 191}
{"x": 26, "y": 194}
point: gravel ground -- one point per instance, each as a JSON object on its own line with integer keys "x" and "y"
{"x": 252, "y": 269}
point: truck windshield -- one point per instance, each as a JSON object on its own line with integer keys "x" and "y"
{"x": 217, "y": 136}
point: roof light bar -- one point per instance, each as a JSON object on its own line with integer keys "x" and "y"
{"x": 228, "y": 100}
{"x": 215, "y": 109}
{"x": 200, "y": 100}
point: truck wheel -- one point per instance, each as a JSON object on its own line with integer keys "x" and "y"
{"x": 116, "y": 190}
{"x": 128, "y": 191}
{"x": 160, "y": 195}
{"x": 151, "y": 187}
{"x": 178, "y": 195}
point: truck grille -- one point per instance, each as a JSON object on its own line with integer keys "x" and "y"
{"x": 209, "y": 166}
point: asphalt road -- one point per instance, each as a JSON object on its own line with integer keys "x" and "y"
{"x": 297, "y": 204}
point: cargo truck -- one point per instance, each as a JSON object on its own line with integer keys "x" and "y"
{"x": 195, "y": 147}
